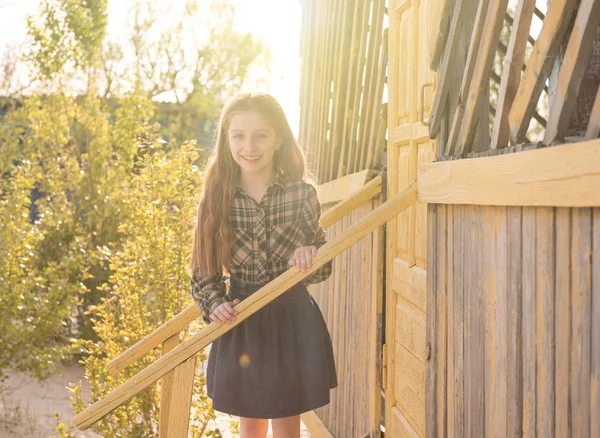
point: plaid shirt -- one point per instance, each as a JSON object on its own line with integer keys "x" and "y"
{"x": 265, "y": 237}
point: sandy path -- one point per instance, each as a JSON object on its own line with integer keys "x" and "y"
{"x": 28, "y": 407}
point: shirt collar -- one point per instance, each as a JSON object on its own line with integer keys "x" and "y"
{"x": 278, "y": 180}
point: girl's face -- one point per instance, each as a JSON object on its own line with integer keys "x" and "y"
{"x": 252, "y": 141}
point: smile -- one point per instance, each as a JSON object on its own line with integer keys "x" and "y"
{"x": 251, "y": 158}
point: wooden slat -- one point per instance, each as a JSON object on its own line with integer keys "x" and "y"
{"x": 530, "y": 398}
{"x": 467, "y": 75}
{"x": 571, "y": 70}
{"x": 481, "y": 73}
{"x": 392, "y": 207}
{"x": 431, "y": 369}
{"x": 441, "y": 323}
{"x": 458, "y": 321}
{"x": 581, "y": 285}
{"x": 511, "y": 73}
{"x": 593, "y": 129}
{"x": 441, "y": 36}
{"x": 441, "y": 92}
{"x": 315, "y": 426}
{"x": 562, "y": 321}
{"x": 515, "y": 317}
{"x": 544, "y": 304}
{"x": 496, "y": 290}
{"x": 595, "y": 329}
{"x": 338, "y": 189}
{"x": 539, "y": 65}
{"x": 566, "y": 175}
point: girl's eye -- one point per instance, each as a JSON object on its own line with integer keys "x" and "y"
{"x": 238, "y": 136}
{"x": 262, "y": 136}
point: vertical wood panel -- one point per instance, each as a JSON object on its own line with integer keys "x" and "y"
{"x": 529, "y": 323}
{"x": 545, "y": 320}
{"x": 581, "y": 322}
{"x": 595, "y": 329}
{"x": 513, "y": 327}
{"x": 562, "y": 321}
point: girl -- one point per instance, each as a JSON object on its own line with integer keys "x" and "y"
{"x": 257, "y": 217}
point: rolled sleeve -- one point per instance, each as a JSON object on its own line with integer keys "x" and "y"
{"x": 208, "y": 292}
{"x": 315, "y": 234}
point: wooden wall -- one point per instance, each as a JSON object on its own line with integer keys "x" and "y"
{"x": 351, "y": 301}
{"x": 342, "y": 118}
{"x": 513, "y": 298}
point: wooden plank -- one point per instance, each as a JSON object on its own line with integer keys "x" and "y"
{"x": 375, "y": 342}
{"x": 459, "y": 269}
{"x": 496, "y": 319}
{"x": 441, "y": 323}
{"x": 411, "y": 330}
{"x": 545, "y": 269}
{"x": 514, "y": 314}
{"x": 392, "y": 207}
{"x": 410, "y": 283}
{"x": 314, "y": 425}
{"x": 539, "y": 65}
{"x": 511, "y": 73}
{"x": 481, "y": 73}
{"x": 441, "y": 92}
{"x": 441, "y": 35}
{"x": 401, "y": 428}
{"x": 166, "y": 390}
{"x": 340, "y": 188}
{"x": 581, "y": 252}
{"x": 475, "y": 336}
{"x": 530, "y": 399}
{"x": 467, "y": 75}
{"x": 595, "y": 329}
{"x": 566, "y": 175}
{"x": 572, "y": 69}
{"x": 432, "y": 278}
{"x": 593, "y": 129}
{"x": 562, "y": 321}
{"x": 450, "y": 323}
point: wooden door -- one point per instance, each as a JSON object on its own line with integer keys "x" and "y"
{"x": 410, "y": 83}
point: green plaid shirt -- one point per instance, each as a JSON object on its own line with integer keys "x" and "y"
{"x": 265, "y": 237}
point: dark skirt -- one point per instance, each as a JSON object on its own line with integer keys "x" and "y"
{"x": 276, "y": 363}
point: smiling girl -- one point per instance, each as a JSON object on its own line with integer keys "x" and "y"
{"x": 257, "y": 217}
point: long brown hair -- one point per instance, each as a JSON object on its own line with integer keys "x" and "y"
{"x": 212, "y": 236}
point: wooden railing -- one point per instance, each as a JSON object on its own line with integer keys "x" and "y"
{"x": 522, "y": 79}
{"x": 176, "y": 366}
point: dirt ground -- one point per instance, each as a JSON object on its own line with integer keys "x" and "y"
{"x": 27, "y": 407}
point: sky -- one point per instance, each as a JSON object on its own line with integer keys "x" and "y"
{"x": 276, "y": 22}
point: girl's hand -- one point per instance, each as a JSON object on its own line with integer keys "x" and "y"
{"x": 302, "y": 258}
{"x": 225, "y": 312}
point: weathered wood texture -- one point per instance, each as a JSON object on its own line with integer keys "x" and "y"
{"x": 351, "y": 302}
{"x": 344, "y": 60}
{"x": 568, "y": 42}
{"x": 512, "y": 321}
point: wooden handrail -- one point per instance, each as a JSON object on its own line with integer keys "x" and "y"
{"x": 184, "y": 318}
{"x": 195, "y": 344}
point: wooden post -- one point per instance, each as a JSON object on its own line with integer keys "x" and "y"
{"x": 176, "y": 395}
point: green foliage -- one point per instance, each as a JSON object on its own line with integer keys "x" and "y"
{"x": 96, "y": 208}
{"x": 147, "y": 286}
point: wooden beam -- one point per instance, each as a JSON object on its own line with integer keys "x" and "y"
{"x": 457, "y": 114}
{"x": 195, "y": 344}
{"x": 539, "y": 65}
{"x": 511, "y": 73}
{"x": 481, "y": 74}
{"x": 338, "y": 189}
{"x": 593, "y": 129}
{"x": 559, "y": 176}
{"x": 315, "y": 426}
{"x": 440, "y": 36}
{"x": 572, "y": 69}
{"x": 441, "y": 92}
{"x": 359, "y": 193}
